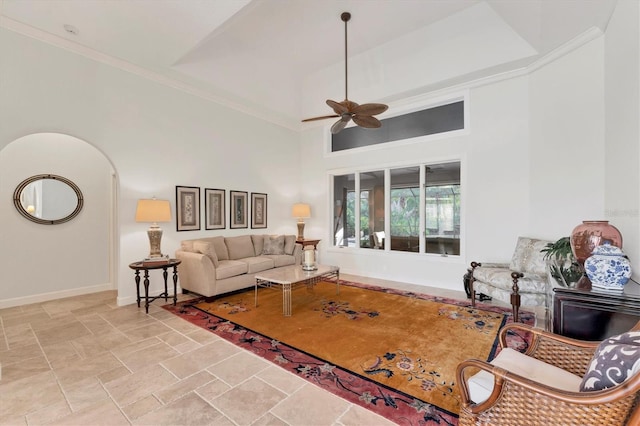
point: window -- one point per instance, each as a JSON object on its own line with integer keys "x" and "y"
{"x": 371, "y": 207}
{"x": 442, "y": 208}
{"x": 418, "y": 211}
{"x": 344, "y": 223}
{"x": 405, "y": 209}
{"x": 438, "y": 119}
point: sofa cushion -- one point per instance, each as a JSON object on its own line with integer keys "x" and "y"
{"x": 239, "y": 247}
{"x": 207, "y": 249}
{"x": 615, "y": 360}
{"x": 221, "y": 248}
{"x": 273, "y": 244}
{"x": 289, "y": 244}
{"x": 281, "y": 259}
{"x": 258, "y": 264}
{"x": 230, "y": 268}
{"x": 481, "y": 384}
{"x": 258, "y": 244}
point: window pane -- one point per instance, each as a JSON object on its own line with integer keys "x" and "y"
{"x": 442, "y": 208}
{"x": 344, "y": 224}
{"x": 440, "y": 119}
{"x": 371, "y": 207}
{"x": 405, "y": 209}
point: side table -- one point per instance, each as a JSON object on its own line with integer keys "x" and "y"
{"x": 594, "y": 314}
{"x": 141, "y": 266}
{"x": 306, "y": 242}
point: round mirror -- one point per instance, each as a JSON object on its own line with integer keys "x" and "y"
{"x": 48, "y": 199}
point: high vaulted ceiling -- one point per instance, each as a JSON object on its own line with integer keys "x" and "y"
{"x": 281, "y": 59}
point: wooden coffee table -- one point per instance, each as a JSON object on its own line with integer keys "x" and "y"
{"x": 289, "y": 276}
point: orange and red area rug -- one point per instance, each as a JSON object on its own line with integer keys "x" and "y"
{"x": 390, "y": 351}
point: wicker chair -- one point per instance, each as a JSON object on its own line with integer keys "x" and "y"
{"x": 518, "y": 400}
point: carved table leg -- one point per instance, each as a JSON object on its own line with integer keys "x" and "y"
{"x": 138, "y": 286}
{"x": 515, "y": 295}
{"x": 146, "y": 290}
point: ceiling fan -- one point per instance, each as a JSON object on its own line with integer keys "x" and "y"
{"x": 347, "y": 110}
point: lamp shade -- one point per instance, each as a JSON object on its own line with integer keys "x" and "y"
{"x": 301, "y": 210}
{"x": 153, "y": 211}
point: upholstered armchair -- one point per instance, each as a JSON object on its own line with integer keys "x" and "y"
{"x": 556, "y": 381}
{"x": 523, "y": 281}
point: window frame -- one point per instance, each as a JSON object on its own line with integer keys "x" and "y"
{"x": 387, "y": 199}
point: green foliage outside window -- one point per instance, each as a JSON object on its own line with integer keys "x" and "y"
{"x": 405, "y": 213}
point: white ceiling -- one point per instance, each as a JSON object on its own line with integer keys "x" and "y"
{"x": 281, "y": 59}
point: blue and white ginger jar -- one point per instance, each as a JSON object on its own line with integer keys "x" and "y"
{"x": 608, "y": 267}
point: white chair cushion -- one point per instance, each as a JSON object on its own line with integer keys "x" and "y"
{"x": 501, "y": 278}
{"x": 481, "y": 384}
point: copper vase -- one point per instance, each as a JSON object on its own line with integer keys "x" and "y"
{"x": 590, "y": 234}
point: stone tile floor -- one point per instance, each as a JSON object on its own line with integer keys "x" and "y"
{"x": 85, "y": 361}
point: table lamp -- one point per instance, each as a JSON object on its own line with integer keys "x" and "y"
{"x": 154, "y": 211}
{"x": 301, "y": 211}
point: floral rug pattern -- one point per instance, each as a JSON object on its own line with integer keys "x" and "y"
{"x": 332, "y": 308}
{"x": 354, "y": 386}
{"x": 473, "y": 319}
{"x": 412, "y": 367}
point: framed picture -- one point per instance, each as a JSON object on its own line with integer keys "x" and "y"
{"x": 238, "y": 201}
{"x": 258, "y": 210}
{"x": 214, "y": 209}
{"x": 187, "y": 208}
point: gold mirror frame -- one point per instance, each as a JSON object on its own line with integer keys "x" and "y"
{"x": 17, "y": 193}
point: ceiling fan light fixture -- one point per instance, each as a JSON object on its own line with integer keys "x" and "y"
{"x": 347, "y": 110}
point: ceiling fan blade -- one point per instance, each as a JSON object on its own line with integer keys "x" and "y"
{"x": 370, "y": 109}
{"x": 340, "y": 124}
{"x": 324, "y": 117}
{"x": 361, "y": 114}
{"x": 367, "y": 121}
{"x": 338, "y": 107}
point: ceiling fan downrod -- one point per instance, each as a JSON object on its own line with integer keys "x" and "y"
{"x": 346, "y": 16}
{"x": 362, "y": 115}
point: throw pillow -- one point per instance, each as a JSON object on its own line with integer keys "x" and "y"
{"x": 187, "y": 245}
{"x": 220, "y": 247}
{"x": 616, "y": 359}
{"x": 273, "y": 244}
{"x": 208, "y": 250}
{"x": 289, "y": 244}
{"x": 258, "y": 244}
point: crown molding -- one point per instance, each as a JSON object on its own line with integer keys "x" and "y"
{"x": 121, "y": 64}
{"x": 428, "y": 93}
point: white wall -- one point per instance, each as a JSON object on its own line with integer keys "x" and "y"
{"x": 534, "y": 162}
{"x": 622, "y": 101}
{"x": 528, "y": 168}
{"x": 65, "y": 259}
{"x": 566, "y": 153}
{"x": 156, "y": 138}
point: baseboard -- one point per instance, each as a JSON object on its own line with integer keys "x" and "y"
{"x": 45, "y": 297}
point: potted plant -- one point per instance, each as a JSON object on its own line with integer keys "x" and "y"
{"x": 563, "y": 266}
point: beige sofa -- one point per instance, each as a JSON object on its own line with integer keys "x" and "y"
{"x": 217, "y": 265}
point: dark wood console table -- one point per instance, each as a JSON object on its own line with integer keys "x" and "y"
{"x": 594, "y": 314}
{"x": 146, "y": 267}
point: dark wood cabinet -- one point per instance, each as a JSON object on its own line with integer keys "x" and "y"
{"x": 594, "y": 314}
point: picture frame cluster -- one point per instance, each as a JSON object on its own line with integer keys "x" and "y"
{"x": 188, "y": 209}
